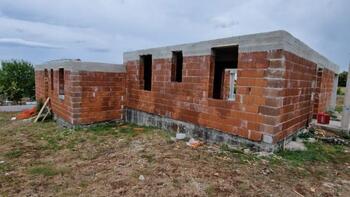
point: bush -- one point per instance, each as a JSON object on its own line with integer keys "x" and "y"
{"x": 340, "y": 91}
{"x": 17, "y": 80}
{"x": 342, "y": 79}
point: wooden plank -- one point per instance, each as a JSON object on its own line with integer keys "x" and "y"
{"x": 42, "y": 109}
{"x": 48, "y": 112}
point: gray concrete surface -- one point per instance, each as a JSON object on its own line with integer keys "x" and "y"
{"x": 334, "y": 94}
{"x": 209, "y": 135}
{"x": 345, "y": 123}
{"x": 15, "y": 108}
{"x": 247, "y": 43}
{"x": 76, "y": 65}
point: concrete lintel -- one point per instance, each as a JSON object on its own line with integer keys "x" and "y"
{"x": 76, "y": 66}
{"x": 247, "y": 43}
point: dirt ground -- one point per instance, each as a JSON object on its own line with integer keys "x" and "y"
{"x": 125, "y": 160}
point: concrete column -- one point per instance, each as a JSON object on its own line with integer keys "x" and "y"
{"x": 345, "y": 122}
{"x": 334, "y": 93}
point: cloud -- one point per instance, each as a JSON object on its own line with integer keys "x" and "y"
{"x": 103, "y": 30}
{"x": 99, "y": 50}
{"x": 226, "y": 21}
{"x": 26, "y": 43}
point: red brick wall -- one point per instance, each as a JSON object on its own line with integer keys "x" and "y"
{"x": 274, "y": 91}
{"x": 89, "y": 97}
{"x": 188, "y": 101}
{"x": 102, "y": 96}
{"x": 297, "y": 106}
{"x": 59, "y": 107}
{"x": 324, "y": 88}
{"x": 39, "y": 85}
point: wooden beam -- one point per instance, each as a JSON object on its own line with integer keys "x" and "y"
{"x": 42, "y": 109}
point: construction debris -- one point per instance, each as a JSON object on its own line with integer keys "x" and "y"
{"x": 42, "y": 110}
{"x": 25, "y": 114}
{"x": 180, "y": 136}
{"x": 194, "y": 143}
{"x": 141, "y": 178}
{"x": 295, "y": 146}
{"x": 333, "y": 140}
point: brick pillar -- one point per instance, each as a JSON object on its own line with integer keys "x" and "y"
{"x": 334, "y": 93}
{"x": 345, "y": 123}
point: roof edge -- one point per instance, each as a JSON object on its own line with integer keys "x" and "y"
{"x": 77, "y": 65}
{"x": 265, "y": 41}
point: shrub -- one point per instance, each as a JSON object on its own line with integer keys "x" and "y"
{"x": 17, "y": 80}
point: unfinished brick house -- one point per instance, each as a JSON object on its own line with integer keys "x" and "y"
{"x": 81, "y": 92}
{"x": 255, "y": 89}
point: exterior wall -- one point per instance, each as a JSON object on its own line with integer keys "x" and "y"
{"x": 295, "y": 104}
{"x": 60, "y": 107}
{"x": 39, "y": 85}
{"x": 89, "y": 97}
{"x": 273, "y": 100}
{"x": 102, "y": 97}
{"x": 190, "y": 100}
{"x": 324, "y": 90}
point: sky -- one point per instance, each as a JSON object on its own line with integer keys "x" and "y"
{"x": 101, "y": 30}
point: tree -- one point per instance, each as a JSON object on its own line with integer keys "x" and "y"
{"x": 17, "y": 80}
{"x": 342, "y": 79}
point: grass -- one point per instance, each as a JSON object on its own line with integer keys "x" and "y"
{"x": 43, "y": 159}
{"x": 225, "y": 150}
{"x": 340, "y": 103}
{"x": 14, "y": 153}
{"x": 316, "y": 152}
{"x": 341, "y": 91}
{"x": 47, "y": 170}
{"x": 5, "y": 167}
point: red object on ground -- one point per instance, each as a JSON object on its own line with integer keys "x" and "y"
{"x": 323, "y": 118}
{"x": 26, "y": 114}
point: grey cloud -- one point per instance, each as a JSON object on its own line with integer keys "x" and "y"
{"x": 99, "y": 50}
{"x": 102, "y": 30}
{"x": 26, "y": 43}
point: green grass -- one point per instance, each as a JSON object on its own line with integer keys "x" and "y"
{"x": 5, "y": 167}
{"x": 341, "y": 91}
{"x": 14, "y": 153}
{"x": 225, "y": 150}
{"x": 47, "y": 170}
{"x": 123, "y": 130}
{"x": 316, "y": 152}
{"x": 339, "y": 108}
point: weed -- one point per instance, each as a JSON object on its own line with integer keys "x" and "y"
{"x": 210, "y": 190}
{"x": 46, "y": 170}
{"x": 316, "y": 152}
{"x": 339, "y": 108}
{"x": 14, "y": 154}
{"x": 237, "y": 153}
{"x": 4, "y": 167}
{"x": 149, "y": 158}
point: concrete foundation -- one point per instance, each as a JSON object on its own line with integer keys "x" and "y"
{"x": 208, "y": 135}
{"x": 62, "y": 123}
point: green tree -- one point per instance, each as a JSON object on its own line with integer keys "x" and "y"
{"x": 342, "y": 79}
{"x": 17, "y": 80}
